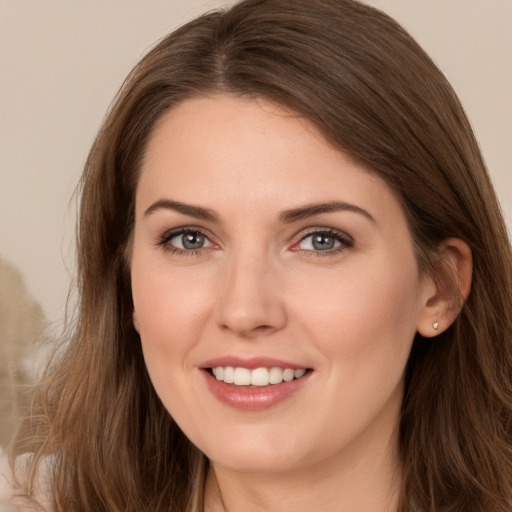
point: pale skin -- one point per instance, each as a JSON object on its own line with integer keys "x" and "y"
{"x": 240, "y": 176}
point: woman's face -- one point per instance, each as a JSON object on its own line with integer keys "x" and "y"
{"x": 261, "y": 254}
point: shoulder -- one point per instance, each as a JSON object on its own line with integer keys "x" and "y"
{"x": 12, "y": 498}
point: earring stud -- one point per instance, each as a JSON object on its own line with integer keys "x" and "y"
{"x": 435, "y": 325}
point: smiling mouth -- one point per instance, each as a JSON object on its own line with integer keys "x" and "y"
{"x": 239, "y": 376}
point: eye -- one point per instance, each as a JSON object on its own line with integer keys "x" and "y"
{"x": 319, "y": 242}
{"x": 185, "y": 240}
{"x": 189, "y": 240}
{"x": 329, "y": 241}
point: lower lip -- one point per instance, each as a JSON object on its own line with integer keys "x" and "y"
{"x": 254, "y": 398}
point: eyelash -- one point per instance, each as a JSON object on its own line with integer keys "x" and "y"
{"x": 169, "y": 235}
{"x": 345, "y": 242}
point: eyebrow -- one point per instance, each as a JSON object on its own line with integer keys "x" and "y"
{"x": 186, "y": 209}
{"x": 285, "y": 217}
{"x": 306, "y": 211}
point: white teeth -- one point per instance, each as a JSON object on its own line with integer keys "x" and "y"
{"x": 275, "y": 376}
{"x": 242, "y": 377}
{"x": 257, "y": 377}
{"x": 288, "y": 374}
{"x": 229, "y": 375}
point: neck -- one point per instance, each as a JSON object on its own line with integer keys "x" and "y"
{"x": 369, "y": 482}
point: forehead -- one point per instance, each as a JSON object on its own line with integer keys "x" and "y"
{"x": 224, "y": 148}
{"x": 234, "y": 125}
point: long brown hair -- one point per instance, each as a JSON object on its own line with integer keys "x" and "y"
{"x": 372, "y": 91}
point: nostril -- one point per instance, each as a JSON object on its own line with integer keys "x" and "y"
{"x": 246, "y": 331}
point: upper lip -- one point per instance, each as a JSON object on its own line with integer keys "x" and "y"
{"x": 251, "y": 363}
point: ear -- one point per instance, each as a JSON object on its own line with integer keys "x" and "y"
{"x": 135, "y": 321}
{"x": 447, "y": 288}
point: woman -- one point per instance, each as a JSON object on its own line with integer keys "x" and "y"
{"x": 295, "y": 283}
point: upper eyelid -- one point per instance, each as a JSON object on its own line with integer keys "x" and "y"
{"x": 170, "y": 233}
{"x": 332, "y": 231}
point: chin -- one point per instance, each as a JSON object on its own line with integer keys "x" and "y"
{"x": 256, "y": 463}
{"x": 257, "y": 454}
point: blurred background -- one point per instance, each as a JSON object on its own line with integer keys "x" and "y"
{"x": 62, "y": 62}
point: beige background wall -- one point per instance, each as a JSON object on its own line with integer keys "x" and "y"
{"x": 61, "y": 62}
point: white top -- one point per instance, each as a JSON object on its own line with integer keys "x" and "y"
{"x": 11, "y": 498}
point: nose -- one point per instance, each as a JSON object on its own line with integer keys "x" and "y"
{"x": 251, "y": 299}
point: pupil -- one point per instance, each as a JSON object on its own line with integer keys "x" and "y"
{"x": 323, "y": 242}
{"x": 193, "y": 240}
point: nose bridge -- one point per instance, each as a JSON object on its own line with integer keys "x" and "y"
{"x": 250, "y": 300}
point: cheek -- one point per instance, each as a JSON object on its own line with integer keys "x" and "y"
{"x": 169, "y": 307}
{"x": 366, "y": 314}
{"x": 170, "y": 310}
